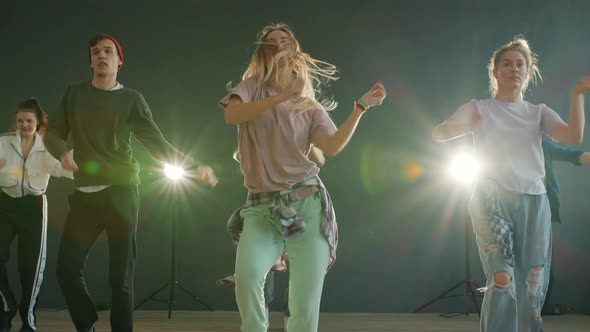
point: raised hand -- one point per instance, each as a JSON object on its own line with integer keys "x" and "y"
{"x": 583, "y": 85}
{"x": 205, "y": 174}
{"x": 373, "y": 97}
{"x": 67, "y": 162}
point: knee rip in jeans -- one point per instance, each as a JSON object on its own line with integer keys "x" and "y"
{"x": 535, "y": 283}
{"x": 502, "y": 280}
{"x": 535, "y": 280}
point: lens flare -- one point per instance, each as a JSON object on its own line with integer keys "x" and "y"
{"x": 173, "y": 172}
{"x": 464, "y": 168}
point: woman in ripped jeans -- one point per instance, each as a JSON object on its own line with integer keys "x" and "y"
{"x": 509, "y": 207}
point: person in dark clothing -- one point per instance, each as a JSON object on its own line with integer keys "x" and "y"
{"x": 25, "y": 169}
{"x": 556, "y": 152}
{"x": 100, "y": 117}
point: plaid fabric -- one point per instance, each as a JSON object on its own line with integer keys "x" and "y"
{"x": 502, "y": 228}
{"x": 293, "y": 224}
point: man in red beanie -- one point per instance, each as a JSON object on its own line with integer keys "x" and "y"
{"x": 101, "y": 116}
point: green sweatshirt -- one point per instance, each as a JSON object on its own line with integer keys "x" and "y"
{"x": 101, "y": 124}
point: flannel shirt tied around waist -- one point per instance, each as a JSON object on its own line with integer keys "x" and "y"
{"x": 292, "y": 223}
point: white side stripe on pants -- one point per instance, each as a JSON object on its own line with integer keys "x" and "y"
{"x": 40, "y": 267}
{"x": 4, "y": 302}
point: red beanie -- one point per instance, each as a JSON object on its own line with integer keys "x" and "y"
{"x": 111, "y": 38}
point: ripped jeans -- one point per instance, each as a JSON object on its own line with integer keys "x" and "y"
{"x": 513, "y": 234}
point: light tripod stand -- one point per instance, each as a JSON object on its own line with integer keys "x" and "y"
{"x": 174, "y": 174}
{"x": 470, "y": 285}
{"x": 463, "y": 168}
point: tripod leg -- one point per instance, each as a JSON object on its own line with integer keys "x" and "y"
{"x": 473, "y": 297}
{"x": 172, "y": 263}
{"x": 442, "y": 295}
{"x": 195, "y": 298}
{"x": 151, "y": 296}
{"x": 171, "y": 300}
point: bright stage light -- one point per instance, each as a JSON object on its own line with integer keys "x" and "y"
{"x": 173, "y": 172}
{"x": 464, "y": 168}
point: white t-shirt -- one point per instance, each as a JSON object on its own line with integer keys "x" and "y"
{"x": 508, "y": 142}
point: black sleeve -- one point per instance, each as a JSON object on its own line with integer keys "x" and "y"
{"x": 58, "y": 129}
{"x": 146, "y": 130}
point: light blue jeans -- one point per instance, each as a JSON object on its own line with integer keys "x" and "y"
{"x": 514, "y": 306}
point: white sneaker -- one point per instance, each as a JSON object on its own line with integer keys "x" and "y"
{"x": 285, "y": 322}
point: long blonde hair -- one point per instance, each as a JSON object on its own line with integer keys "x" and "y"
{"x": 521, "y": 45}
{"x": 300, "y": 65}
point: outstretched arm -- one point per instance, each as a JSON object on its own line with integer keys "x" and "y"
{"x": 573, "y": 131}
{"x": 333, "y": 144}
{"x": 558, "y": 152}
{"x": 463, "y": 121}
{"x": 147, "y": 132}
{"x": 55, "y": 167}
{"x": 584, "y": 158}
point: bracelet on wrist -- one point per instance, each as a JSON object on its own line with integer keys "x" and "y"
{"x": 363, "y": 103}
{"x": 356, "y": 104}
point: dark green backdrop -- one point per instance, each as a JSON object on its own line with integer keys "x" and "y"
{"x": 401, "y": 238}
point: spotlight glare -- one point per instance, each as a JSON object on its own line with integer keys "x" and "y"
{"x": 173, "y": 172}
{"x": 464, "y": 168}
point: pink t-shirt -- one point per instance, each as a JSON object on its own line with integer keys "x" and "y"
{"x": 273, "y": 147}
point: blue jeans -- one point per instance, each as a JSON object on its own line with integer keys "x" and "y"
{"x": 515, "y": 305}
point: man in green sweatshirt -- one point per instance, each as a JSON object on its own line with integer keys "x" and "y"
{"x": 100, "y": 117}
